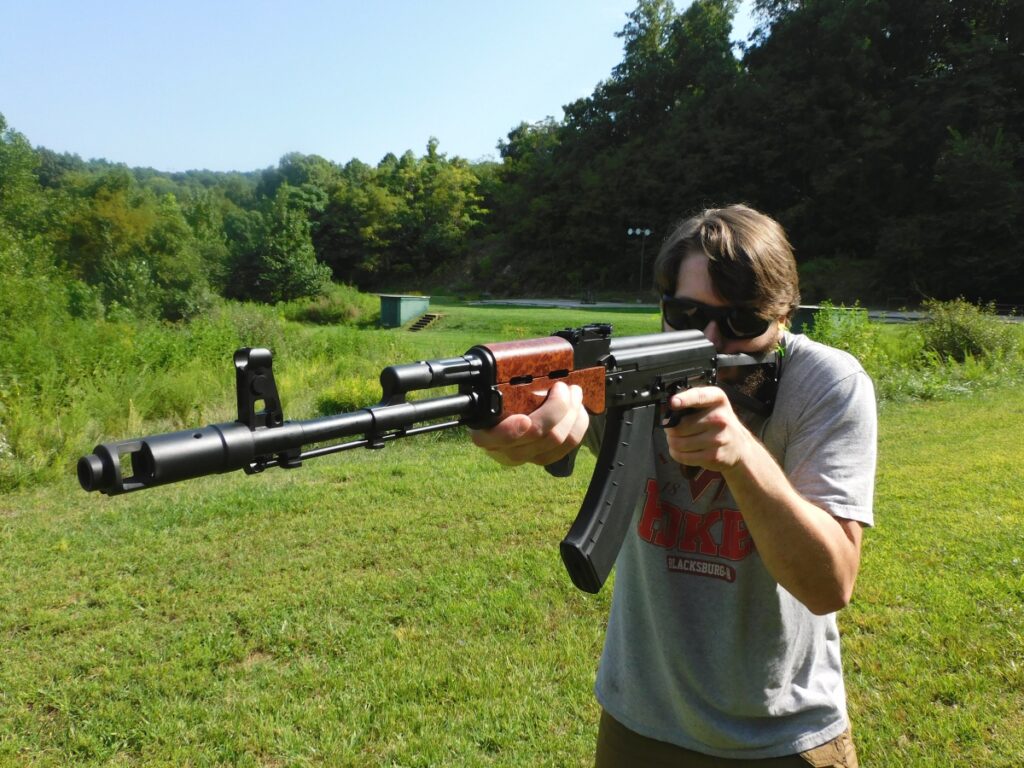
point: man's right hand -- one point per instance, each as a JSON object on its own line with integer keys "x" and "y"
{"x": 542, "y": 437}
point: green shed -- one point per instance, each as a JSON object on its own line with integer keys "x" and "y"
{"x": 803, "y": 318}
{"x": 398, "y": 310}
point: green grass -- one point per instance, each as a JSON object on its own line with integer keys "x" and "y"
{"x": 403, "y": 607}
{"x": 469, "y": 325}
{"x": 934, "y": 641}
{"x": 407, "y": 607}
{"x": 64, "y": 389}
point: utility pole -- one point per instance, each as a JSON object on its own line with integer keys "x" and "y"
{"x": 643, "y": 233}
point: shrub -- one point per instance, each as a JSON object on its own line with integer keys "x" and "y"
{"x": 958, "y": 330}
{"x": 341, "y": 305}
{"x": 849, "y": 329}
{"x": 66, "y": 384}
{"x": 348, "y": 394}
{"x": 234, "y": 325}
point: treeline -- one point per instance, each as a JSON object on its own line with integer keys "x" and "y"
{"x": 100, "y": 240}
{"x": 886, "y": 136}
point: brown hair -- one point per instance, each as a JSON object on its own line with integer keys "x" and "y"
{"x": 750, "y": 259}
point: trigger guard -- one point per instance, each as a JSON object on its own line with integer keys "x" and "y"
{"x": 674, "y": 417}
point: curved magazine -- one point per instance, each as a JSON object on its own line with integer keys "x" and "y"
{"x": 592, "y": 544}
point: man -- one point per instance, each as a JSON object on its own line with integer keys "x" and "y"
{"x": 722, "y": 646}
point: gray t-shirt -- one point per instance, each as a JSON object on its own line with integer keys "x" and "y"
{"x": 704, "y": 649}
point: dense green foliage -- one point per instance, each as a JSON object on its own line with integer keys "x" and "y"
{"x": 886, "y": 136}
{"x": 957, "y": 330}
{"x": 956, "y": 348}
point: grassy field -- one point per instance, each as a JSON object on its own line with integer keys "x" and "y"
{"x": 407, "y": 607}
{"x": 934, "y": 641}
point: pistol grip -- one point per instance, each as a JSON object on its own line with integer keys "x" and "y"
{"x": 564, "y": 466}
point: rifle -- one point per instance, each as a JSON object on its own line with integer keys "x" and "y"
{"x": 628, "y": 379}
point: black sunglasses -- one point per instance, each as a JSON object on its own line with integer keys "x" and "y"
{"x": 734, "y": 322}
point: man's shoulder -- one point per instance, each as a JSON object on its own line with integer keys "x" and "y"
{"x": 815, "y": 376}
{"x": 806, "y": 357}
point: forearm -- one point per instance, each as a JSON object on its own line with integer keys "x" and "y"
{"x": 812, "y": 554}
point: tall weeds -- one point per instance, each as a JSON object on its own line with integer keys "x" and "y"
{"x": 68, "y": 384}
{"x": 958, "y": 347}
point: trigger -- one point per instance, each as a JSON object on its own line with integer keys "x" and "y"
{"x": 673, "y": 419}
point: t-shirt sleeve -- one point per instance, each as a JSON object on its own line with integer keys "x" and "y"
{"x": 832, "y": 452}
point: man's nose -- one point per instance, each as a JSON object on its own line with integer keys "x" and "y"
{"x": 714, "y": 334}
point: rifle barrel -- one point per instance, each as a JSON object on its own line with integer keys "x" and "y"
{"x": 217, "y": 448}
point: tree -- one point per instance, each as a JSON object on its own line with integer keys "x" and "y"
{"x": 310, "y": 173}
{"x": 134, "y": 248}
{"x": 207, "y": 210}
{"x": 967, "y": 241}
{"x": 21, "y": 198}
{"x": 30, "y": 287}
{"x": 399, "y": 222}
{"x": 875, "y": 118}
{"x": 634, "y": 152}
{"x": 275, "y": 260}
{"x": 527, "y": 206}
{"x": 443, "y": 209}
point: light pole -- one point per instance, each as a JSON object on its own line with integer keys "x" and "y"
{"x": 643, "y": 233}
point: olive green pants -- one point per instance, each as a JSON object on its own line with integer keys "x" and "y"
{"x": 619, "y": 747}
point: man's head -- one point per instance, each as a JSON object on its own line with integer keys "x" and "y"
{"x": 750, "y": 259}
{"x": 733, "y": 257}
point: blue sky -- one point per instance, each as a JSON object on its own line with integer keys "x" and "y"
{"x": 233, "y": 85}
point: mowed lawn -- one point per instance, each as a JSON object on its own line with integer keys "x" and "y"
{"x": 934, "y": 640}
{"x": 407, "y": 607}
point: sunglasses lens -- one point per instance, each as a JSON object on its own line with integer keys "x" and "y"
{"x": 683, "y": 315}
{"x": 734, "y": 322}
{"x": 744, "y": 324}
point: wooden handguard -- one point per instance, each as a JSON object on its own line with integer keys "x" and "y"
{"x": 526, "y": 370}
